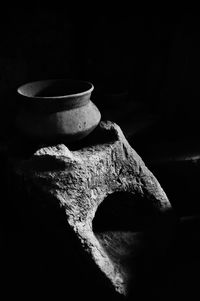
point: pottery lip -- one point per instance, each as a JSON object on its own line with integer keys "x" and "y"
{"x": 89, "y": 87}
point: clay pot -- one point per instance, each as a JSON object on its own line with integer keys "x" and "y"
{"x": 52, "y": 109}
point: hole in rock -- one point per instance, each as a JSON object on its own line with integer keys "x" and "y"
{"x": 123, "y": 224}
{"x": 123, "y": 211}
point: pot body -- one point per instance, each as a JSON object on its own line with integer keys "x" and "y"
{"x": 72, "y": 124}
{"x": 71, "y": 117}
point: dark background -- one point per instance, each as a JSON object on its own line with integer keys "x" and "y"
{"x": 145, "y": 70}
{"x": 155, "y": 58}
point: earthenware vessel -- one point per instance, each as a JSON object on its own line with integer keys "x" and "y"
{"x": 54, "y": 109}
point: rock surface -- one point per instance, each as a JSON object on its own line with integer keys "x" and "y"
{"x": 82, "y": 180}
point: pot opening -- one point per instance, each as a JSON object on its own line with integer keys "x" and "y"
{"x": 55, "y": 88}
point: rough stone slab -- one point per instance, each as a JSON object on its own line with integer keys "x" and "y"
{"x": 82, "y": 179}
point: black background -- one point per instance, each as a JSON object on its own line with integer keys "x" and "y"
{"x": 153, "y": 57}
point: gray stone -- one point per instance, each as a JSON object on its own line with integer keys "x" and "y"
{"x": 83, "y": 179}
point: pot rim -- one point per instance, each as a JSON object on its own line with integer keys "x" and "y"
{"x": 78, "y": 94}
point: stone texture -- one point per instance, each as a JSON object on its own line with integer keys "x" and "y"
{"x": 81, "y": 179}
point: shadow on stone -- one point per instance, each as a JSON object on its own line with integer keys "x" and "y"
{"x": 130, "y": 231}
